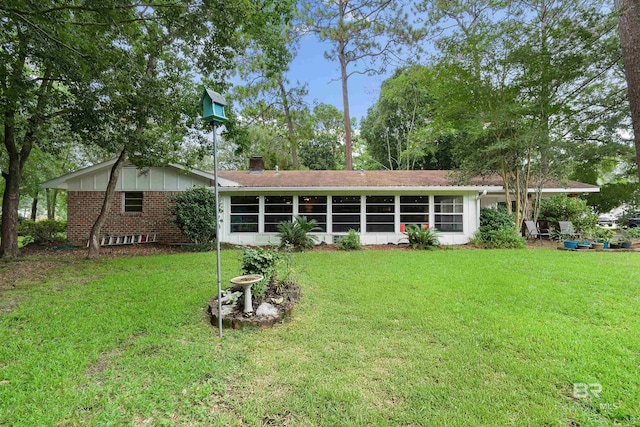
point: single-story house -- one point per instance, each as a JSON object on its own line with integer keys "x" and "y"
{"x": 378, "y": 204}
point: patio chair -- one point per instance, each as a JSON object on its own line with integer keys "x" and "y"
{"x": 567, "y": 230}
{"x": 535, "y": 232}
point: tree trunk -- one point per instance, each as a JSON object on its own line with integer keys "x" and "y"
{"x": 345, "y": 102}
{"x": 10, "y": 200}
{"x": 34, "y": 208}
{"x": 290, "y": 130}
{"x": 94, "y": 243}
{"x": 629, "y": 30}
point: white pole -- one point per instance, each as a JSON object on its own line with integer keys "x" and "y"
{"x": 215, "y": 175}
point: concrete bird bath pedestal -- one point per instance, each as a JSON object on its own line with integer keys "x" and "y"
{"x": 246, "y": 282}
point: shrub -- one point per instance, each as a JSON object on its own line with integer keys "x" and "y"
{"x": 422, "y": 238}
{"x": 601, "y": 234}
{"x": 195, "y": 213}
{"x": 563, "y": 208}
{"x": 350, "y": 242}
{"x": 295, "y": 234}
{"x": 497, "y": 230}
{"x": 264, "y": 262}
{"x": 631, "y": 233}
{"x": 45, "y": 231}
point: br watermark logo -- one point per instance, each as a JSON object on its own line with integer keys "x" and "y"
{"x": 592, "y": 391}
{"x": 587, "y": 390}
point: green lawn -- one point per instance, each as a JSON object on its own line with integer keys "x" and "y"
{"x": 447, "y": 338}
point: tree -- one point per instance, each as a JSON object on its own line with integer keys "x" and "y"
{"x": 322, "y": 149}
{"x": 367, "y": 33}
{"x": 269, "y": 98}
{"x": 396, "y": 128}
{"x": 629, "y": 30}
{"x": 519, "y": 92}
{"x": 47, "y": 48}
{"x": 143, "y": 110}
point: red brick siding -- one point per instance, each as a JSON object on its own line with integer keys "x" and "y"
{"x": 84, "y": 208}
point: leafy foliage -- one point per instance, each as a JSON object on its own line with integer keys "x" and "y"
{"x": 631, "y": 233}
{"x": 600, "y": 234}
{"x": 497, "y": 230}
{"x": 350, "y": 242}
{"x": 563, "y": 208}
{"x": 395, "y": 128}
{"x": 295, "y": 234}
{"x": 268, "y": 263}
{"x": 422, "y": 238}
{"x": 45, "y": 231}
{"x": 194, "y": 212}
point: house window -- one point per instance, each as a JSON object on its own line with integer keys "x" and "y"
{"x": 277, "y": 209}
{"x": 244, "y": 214}
{"x": 314, "y": 207}
{"x": 346, "y": 213}
{"x": 414, "y": 210}
{"x": 133, "y": 201}
{"x": 448, "y": 213}
{"x": 380, "y": 214}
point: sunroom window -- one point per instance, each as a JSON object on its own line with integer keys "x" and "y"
{"x": 346, "y": 213}
{"x": 380, "y": 214}
{"x": 314, "y": 207}
{"x": 244, "y": 214}
{"x": 277, "y": 209}
{"x": 414, "y": 210}
{"x": 448, "y": 213}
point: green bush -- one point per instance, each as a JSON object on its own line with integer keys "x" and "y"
{"x": 422, "y": 238}
{"x": 497, "y": 230}
{"x": 563, "y": 208}
{"x": 295, "y": 234}
{"x": 631, "y": 233}
{"x": 45, "y": 231}
{"x": 601, "y": 234}
{"x": 264, "y": 262}
{"x": 350, "y": 242}
{"x": 194, "y": 212}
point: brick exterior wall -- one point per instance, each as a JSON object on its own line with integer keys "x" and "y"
{"x": 84, "y": 208}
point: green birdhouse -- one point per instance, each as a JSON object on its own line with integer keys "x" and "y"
{"x": 213, "y": 104}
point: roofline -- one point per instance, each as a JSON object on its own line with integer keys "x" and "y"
{"x": 475, "y": 188}
{"x": 61, "y": 181}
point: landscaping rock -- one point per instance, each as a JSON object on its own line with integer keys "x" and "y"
{"x": 267, "y": 310}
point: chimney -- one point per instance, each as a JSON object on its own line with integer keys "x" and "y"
{"x": 256, "y": 165}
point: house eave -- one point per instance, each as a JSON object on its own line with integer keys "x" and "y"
{"x": 361, "y": 189}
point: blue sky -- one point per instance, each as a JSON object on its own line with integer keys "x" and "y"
{"x": 324, "y": 86}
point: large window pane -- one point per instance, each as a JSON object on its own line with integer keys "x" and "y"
{"x": 449, "y": 210}
{"x": 346, "y": 213}
{"x": 314, "y": 207}
{"x": 244, "y": 214}
{"x": 277, "y": 209}
{"x": 414, "y": 210}
{"x": 380, "y": 214}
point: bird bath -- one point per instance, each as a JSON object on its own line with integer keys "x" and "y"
{"x": 246, "y": 282}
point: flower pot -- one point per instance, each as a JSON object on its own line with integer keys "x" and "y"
{"x": 614, "y": 245}
{"x": 570, "y": 244}
{"x": 625, "y": 245}
{"x": 597, "y": 246}
{"x": 583, "y": 245}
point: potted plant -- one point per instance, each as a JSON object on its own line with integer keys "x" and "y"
{"x": 628, "y": 236}
{"x": 601, "y": 236}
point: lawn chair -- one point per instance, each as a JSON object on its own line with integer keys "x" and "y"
{"x": 535, "y": 232}
{"x": 567, "y": 230}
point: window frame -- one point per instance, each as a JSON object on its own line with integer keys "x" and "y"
{"x": 132, "y": 208}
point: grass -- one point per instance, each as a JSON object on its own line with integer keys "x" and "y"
{"x": 453, "y": 337}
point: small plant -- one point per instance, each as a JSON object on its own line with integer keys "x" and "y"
{"x": 295, "y": 234}
{"x": 261, "y": 261}
{"x": 631, "y": 234}
{"x": 600, "y": 234}
{"x": 422, "y": 238}
{"x": 350, "y": 242}
{"x": 195, "y": 216}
